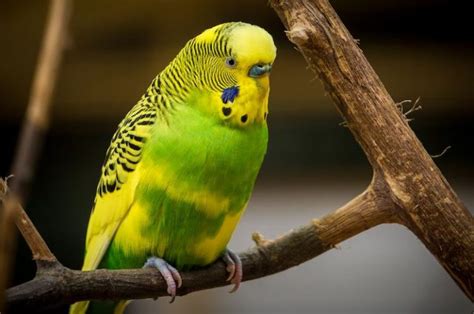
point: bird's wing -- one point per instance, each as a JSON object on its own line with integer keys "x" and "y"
{"x": 116, "y": 189}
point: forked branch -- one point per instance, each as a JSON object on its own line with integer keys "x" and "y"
{"x": 428, "y": 206}
{"x": 407, "y": 187}
{"x": 58, "y": 285}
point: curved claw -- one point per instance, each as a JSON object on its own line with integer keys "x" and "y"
{"x": 169, "y": 273}
{"x": 230, "y": 266}
{"x": 234, "y": 267}
{"x": 176, "y": 276}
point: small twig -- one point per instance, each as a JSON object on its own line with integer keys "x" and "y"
{"x": 38, "y": 246}
{"x": 400, "y": 104}
{"x": 442, "y": 153}
{"x": 259, "y": 239}
{"x": 344, "y": 124}
{"x": 415, "y": 107}
{"x": 36, "y": 121}
{"x": 31, "y": 138}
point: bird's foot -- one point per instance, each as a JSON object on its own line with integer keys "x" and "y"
{"x": 169, "y": 273}
{"x": 234, "y": 268}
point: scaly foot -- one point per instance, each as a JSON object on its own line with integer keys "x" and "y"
{"x": 234, "y": 267}
{"x": 169, "y": 273}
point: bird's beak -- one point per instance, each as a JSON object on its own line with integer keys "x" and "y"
{"x": 259, "y": 70}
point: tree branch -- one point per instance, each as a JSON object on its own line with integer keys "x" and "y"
{"x": 407, "y": 187}
{"x": 428, "y": 205}
{"x": 60, "y": 285}
{"x": 36, "y": 120}
{"x": 7, "y": 240}
{"x": 36, "y": 123}
{"x": 32, "y": 134}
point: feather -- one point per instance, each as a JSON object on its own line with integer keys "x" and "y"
{"x": 182, "y": 164}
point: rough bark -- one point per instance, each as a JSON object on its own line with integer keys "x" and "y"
{"x": 56, "y": 285}
{"x": 407, "y": 187}
{"x": 428, "y": 206}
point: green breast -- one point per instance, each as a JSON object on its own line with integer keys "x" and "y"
{"x": 196, "y": 176}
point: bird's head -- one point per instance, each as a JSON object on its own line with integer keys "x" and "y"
{"x": 233, "y": 61}
{"x": 249, "y": 52}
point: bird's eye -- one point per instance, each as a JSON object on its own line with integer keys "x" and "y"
{"x": 230, "y": 62}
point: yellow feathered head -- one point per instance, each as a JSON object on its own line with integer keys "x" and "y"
{"x": 233, "y": 62}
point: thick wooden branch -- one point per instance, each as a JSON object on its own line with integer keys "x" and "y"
{"x": 58, "y": 285}
{"x": 428, "y": 205}
{"x": 407, "y": 187}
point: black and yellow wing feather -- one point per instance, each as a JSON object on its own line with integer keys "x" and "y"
{"x": 117, "y": 184}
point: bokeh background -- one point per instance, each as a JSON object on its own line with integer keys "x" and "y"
{"x": 313, "y": 165}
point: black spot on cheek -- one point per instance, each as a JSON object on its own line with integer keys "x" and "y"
{"x": 244, "y": 118}
{"x": 226, "y": 111}
{"x": 265, "y": 116}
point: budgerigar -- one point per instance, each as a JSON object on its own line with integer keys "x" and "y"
{"x": 181, "y": 167}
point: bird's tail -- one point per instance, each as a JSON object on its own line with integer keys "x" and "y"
{"x": 79, "y": 307}
{"x": 98, "y": 307}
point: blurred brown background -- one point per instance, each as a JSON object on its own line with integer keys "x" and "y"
{"x": 418, "y": 48}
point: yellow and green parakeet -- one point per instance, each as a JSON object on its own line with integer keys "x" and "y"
{"x": 181, "y": 167}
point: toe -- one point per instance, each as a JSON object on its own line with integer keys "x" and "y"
{"x": 230, "y": 265}
{"x": 237, "y": 279}
{"x": 176, "y": 275}
{"x": 169, "y": 273}
{"x": 234, "y": 267}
